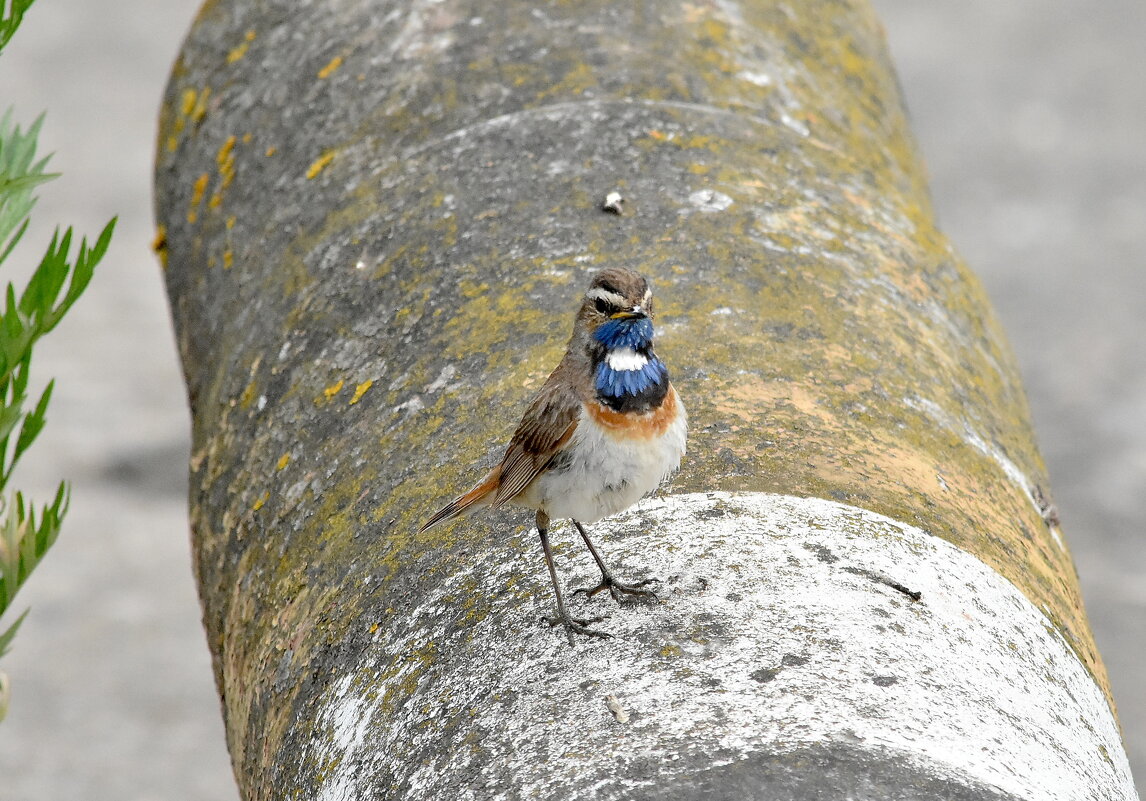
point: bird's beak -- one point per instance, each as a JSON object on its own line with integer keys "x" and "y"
{"x": 634, "y": 313}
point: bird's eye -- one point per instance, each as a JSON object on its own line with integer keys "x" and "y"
{"x": 604, "y": 306}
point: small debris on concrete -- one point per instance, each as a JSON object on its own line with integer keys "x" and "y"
{"x": 614, "y": 706}
{"x": 612, "y": 203}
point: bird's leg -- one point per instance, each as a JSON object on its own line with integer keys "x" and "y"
{"x": 571, "y": 625}
{"x": 609, "y": 583}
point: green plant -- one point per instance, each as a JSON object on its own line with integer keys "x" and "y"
{"x": 11, "y": 12}
{"x": 56, "y": 284}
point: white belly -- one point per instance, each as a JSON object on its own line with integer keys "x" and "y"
{"x": 604, "y": 473}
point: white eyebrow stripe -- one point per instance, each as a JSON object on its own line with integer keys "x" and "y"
{"x": 625, "y": 360}
{"x": 599, "y": 293}
{"x": 648, "y": 296}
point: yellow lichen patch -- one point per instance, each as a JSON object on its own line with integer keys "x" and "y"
{"x": 238, "y": 52}
{"x": 330, "y": 68}
{"x": 159, "y": 244}
{"x": 698, "y": 142}
{"x": 225, "y": 159}
{"x": 270, "y": 151}
{"x": 197, "y": 192}
{"x": 262, "y": 499}
{"x": 332, "y": 390}
{"x": 283, "y": 461}
{"x": 199, "y": 111}
{"x": 231, "y": 222}
{"x": 578, "y": 79}
{"x": 471, "y": 290}
{"x": 249, "y": 394}
{"x": 199, "y": 189}
{"x": 228, "y": 259}
{"x": 187, "y": 102}
{"x": 360, "y": 390}
{"x": 319, "y": 164}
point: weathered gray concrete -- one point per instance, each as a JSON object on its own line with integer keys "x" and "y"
{"x": 1030, "y": 117}
{"x": 1031, "y": 120}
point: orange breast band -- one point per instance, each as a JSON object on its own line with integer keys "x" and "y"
{"x": 646, "y": 425}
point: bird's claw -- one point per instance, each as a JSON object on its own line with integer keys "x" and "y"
{"x": 578, "y": 626}
{"x": 617, "y": 589}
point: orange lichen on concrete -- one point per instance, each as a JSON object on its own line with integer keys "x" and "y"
{"x": 319, "y": 164}
{"x": 330, "y": 68}
{"x": 748, "y": 398}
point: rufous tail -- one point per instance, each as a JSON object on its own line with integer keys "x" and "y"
{"x": 481, "y": 495}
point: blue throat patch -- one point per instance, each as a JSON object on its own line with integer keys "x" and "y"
{"x": 636, "y": 334}
{"x": 618, "y": 383}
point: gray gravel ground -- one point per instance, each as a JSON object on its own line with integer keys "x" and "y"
{"x": 1032, "y": 117}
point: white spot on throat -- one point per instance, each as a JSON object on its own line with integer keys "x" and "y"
{"x": 625, "y": 360}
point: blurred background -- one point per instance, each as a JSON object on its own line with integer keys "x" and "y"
{"x": 1031, "y": 117}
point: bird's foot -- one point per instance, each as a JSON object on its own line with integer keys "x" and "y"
{"x": 578, "y": 626}
{"x": 617, "y": 589}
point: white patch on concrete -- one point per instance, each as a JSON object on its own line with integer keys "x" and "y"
{"x": 346, "y": 719}
{"x": 596, "y": 112}
{"x": 758, "y": 78}
{"x": 709, "y": 200}
{"x": 795, "y": 124}
{"x": 444, "y": 377}
{"x": 775, "y": 632}
{"x": 419, "y": 36}
{"x": 414, "y": 404}
{"x": 625, "y": 360}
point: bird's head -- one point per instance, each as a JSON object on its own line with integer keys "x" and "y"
{"x": 615, "y": 327}
{"x": 617, "y": 310}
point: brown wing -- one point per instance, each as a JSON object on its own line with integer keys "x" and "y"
{"x": 546, "y": 427}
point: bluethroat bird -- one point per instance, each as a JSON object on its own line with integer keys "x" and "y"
{"x": 606, "y": 428}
